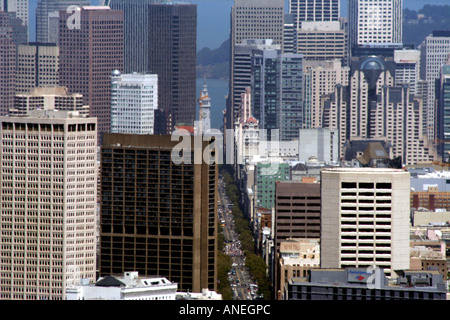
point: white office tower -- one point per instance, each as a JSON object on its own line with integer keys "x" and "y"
{"x": 204, "y": 110}
{"x": 49, "y": 203}
{"x": 365, "y": 218}
{"x": 134, "y": 99}
{"x": 407, "y": 68}
{"x": 375, "y": 21}
{"x": 434, "y": 51}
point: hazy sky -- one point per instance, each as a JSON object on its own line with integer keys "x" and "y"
{"x": 213, "y": 18}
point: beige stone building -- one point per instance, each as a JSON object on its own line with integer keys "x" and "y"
{"x": 296, "y": 258}
{"x": 372, "y": 107}
{"x": 429, "y": 255}
{"x": 365, "y": 219}
{"x": 37, "y": 66}
{"x": 49, "y": 204}
{"x": 52, "y": 98}
{"x": 321, "y": 78}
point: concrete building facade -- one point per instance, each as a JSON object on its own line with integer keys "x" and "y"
{"x": 37, "y": 66}
{"x": 365, "y": 219}
{"x": 88, "y": 56}
{"x": 49, "y": 204}
{"x": 53, "y": 98}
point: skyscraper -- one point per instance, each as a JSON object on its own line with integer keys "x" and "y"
{"x": 37, "y": 66}
{"x": 46, "y": 12}
{"x": 254, "y": 20}
{"x": 290, "y": 95}
{"x": 158, "y": 217}
{"x": 8, "y": 65}
{"x": 89, "y": 53}
{"x": 320, "y": 78}
{"x": 242, "y": 69}
{"x": 136, "y": 33}
{"x": 372, "y": 107}
{"x": 49, "y": 202}
{"x": 321, "y": 41}
{"x": 313, "y": 10}
{"x": 433, "y": 54}
{"x": 442, "y": 123}
{"x": 134, "y": 99}
{"x": 407, "y": 68}
{"x": 365, "y": 218}
{"x": 277, "y": 92}
{"x": 375, "y": 21}
{"x": 172, "y": 52}
{"x": 20, "y": 7}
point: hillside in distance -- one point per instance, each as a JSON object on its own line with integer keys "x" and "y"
{"x": 419, "y": 24}
{"x": 214, "y": 64}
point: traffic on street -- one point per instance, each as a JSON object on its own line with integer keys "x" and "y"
{"x": 241, "y": 281}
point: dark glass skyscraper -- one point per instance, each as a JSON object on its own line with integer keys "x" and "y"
{"x": 172, "y": 55}
{"x": 158, "y": 217}
{"x": 136, "y": 32}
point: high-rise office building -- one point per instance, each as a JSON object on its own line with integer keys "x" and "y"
{"x": 289, "y": 37}
{"x": 242, "y": 69}
{"x": 433, "y": 54}
{"x": 19, "y": 31}
{"x": 37, "y": 66}
{"x": 320, "y": 78}
{"x": 319, "y": 41}
{"x": 375, "y": 21}
{"x": 49, "y": 204}
{"x": 172, "y": 52}
{"x": 297, "y": 215}
{"x": 442, "y": 123}
{"x": 264, "y": 88}
{"x": 88, "y": 55}
{"x": 47, "y": 17}
{"x": 136, "y": 33}
{"x": 407, "y": 68}
{"x": 277, "y": 91}
{"x": 20, "y": 7}
{"x": 8, "y": 65}
{"x": 314, "y": 10}
{"x": 158, "y": 217}
{"x": 289, "y": 117}
{"x": 252, "y": 19}
{"x": 51, "y": 98}
{"x": 134, "y": 99}
{"x": 372, "y": 107}
{"x": 365, "y": 218}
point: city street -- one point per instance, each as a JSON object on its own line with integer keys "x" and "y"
{"x": 239, "y": 277}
